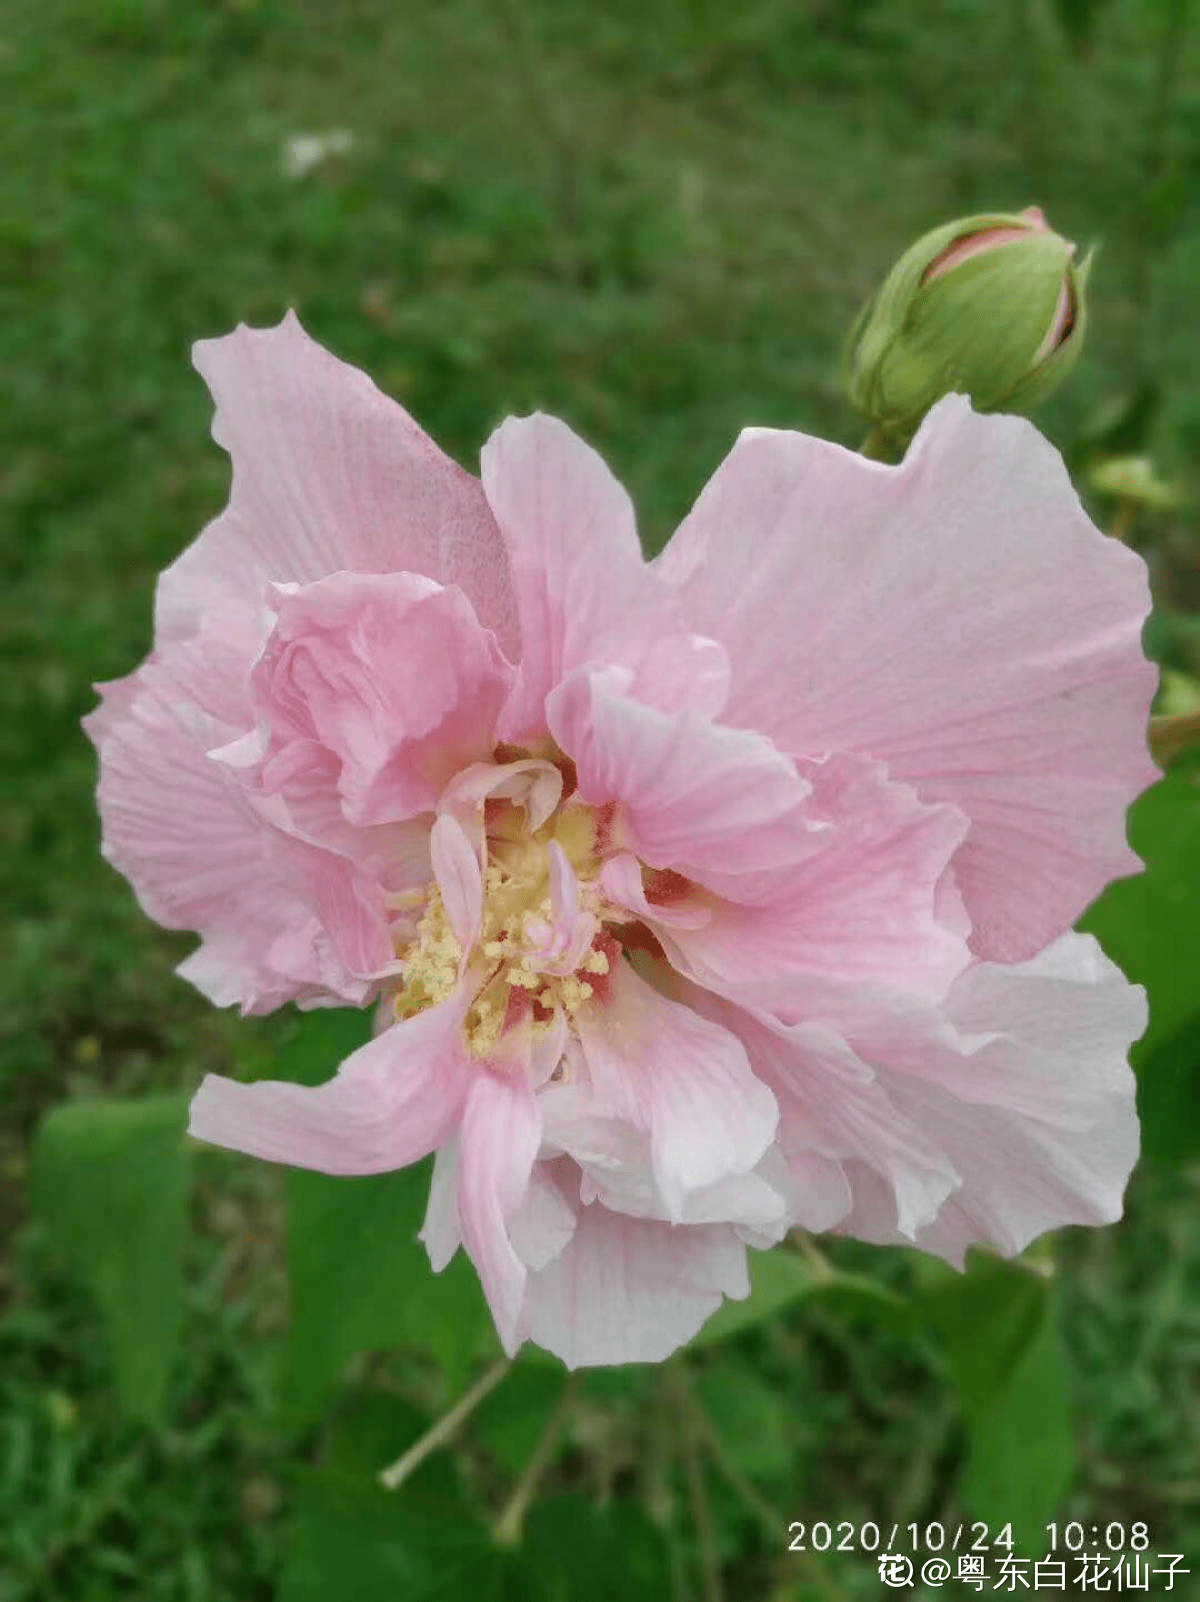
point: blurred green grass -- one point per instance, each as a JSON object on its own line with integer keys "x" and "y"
{"x": 655, "y": 219}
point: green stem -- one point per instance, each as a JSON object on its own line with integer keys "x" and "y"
{"x": 507, "y": 1529}
{"x": 803, "y": 1243}
{"x": 878, "y": 446}
{"x": 658, "y": 1490}
{"x": 773, "y": 1523}
{"x": 446, "y": 1428}
{"x": 693, "y": 1464}
{"x": 1124, "y": 521}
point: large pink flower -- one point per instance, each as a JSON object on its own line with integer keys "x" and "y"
{"x": 699, "y": 898}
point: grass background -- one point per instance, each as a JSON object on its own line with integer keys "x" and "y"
{"x": 656, "y": 219}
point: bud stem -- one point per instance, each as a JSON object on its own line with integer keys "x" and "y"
{"x": 1124, "y": 517}
{"x": 1172, "y": 735}
{"x": 878, "y": 446}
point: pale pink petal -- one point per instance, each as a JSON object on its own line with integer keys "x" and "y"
{"x": 631, "y": 1290}
{"x": 827, "y": 872}
{"x": 564, "y": 892}
{"x": 347, "y": 901}
{"x": 179, "y": 826}
{"x": 440, "y": 1234}
{"x": 957, "y": 617}
{"x": 833, "y": 1106}
{"x": 621, "y": 880}
{"x": 617, "y": 1165}
{"x": 558, "y": 944}
{"x": 328, "y": 475}
{"x": 584, "y": 593}
{"x": 392, "y": 676}
{"x": 708, "y": 801}
{"x": 531, "y": 783}
{"x": 543, "y": 1221}
{"x": 1025, "y": 1085}
{"x": 391, "y": 1102}
{"x": 501, "y": 1133}
{"x": 457, "y": 870}
{"x": 814, "y": 1187}
{"x": 662, "y": 1068}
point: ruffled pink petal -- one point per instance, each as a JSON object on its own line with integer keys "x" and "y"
{"x": 663, "y": 1069}
{"x": 328, "y": 475}
{"x": 559, "y": 943}
{"x": 180, "y": 828}
{"x": 1025, "y": 1086}
{"x": 814, "y": 1187}
{"x": 833, "y": 1107}
{"x": 714, "y": 803}
{"x": 530, "y": 783}
{"x": 501, "y": 1133}
{"x": 391, "y": 1102}
{"x": 621, "y": 880}
{"x": 827, "y": 871}
{"x": 584, "y": 593}
{"x": 391, "y": 676}
{"x": 957, "y": 617}
{"x": 616, "y": 1161}
{"x": 392, "y": 856}
{"x": 631, "y": 1290}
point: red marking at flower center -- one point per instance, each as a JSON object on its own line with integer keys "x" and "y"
{"x": 664, "y": 887}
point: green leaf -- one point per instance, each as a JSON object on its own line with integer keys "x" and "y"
{"x": 862, "y": 1300}
{"x": 591, "y": 1554}
{"x": 369, "y": 1430}
{"x": 777, "y": 1279}
{"x": 746, "y": 1415}
{"x": 985, "y": 1319}
{"x": 358, "y": 1543}
{"x": 1078, "y": 20}
{"x": 1022, "y": 1455}
{"x": 998, "y": 1329}
{"x": 355, "y": 1542}
{"x": 1150, "y": 924}
{"x": 319, "y": 1042}
{"x": 110, "y": 1178}
{"x": 1169, "y": 1097}
{"x": 361, "y": 1281}
{"x": 780, "y": 1278}
{"x": 510, "y": 1421}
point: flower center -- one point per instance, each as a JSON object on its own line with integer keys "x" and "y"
{"x": 542, "y": 950}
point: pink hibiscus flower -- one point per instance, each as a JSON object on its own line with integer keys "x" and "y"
{"x": 699, "y": 898}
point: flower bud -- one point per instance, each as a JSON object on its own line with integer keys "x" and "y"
{"x": 991, "y": 306}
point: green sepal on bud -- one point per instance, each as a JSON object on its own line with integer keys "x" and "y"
{"x": 990, "y": 306}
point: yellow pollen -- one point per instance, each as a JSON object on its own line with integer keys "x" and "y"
{"x": 430, "y": 961}
{"x": 517, "y": 910}
{"x": 573, "y": 993}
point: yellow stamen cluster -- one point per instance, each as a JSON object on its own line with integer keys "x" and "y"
{"x": 517, "y": 911}
{"x": 430, "y": 961}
